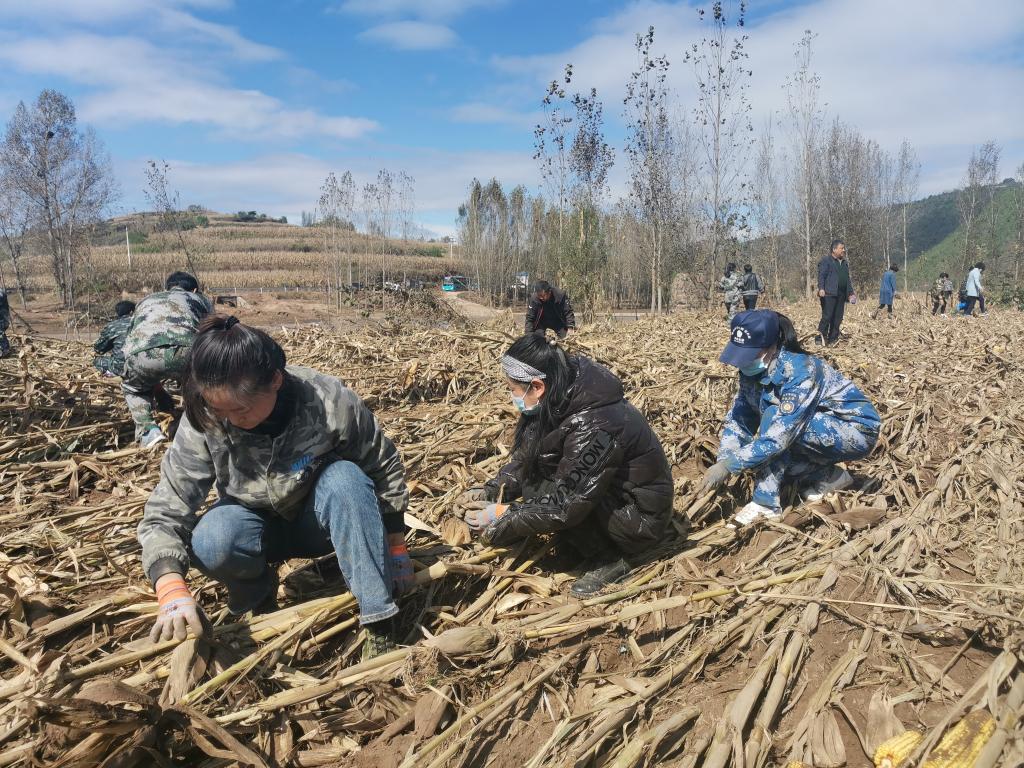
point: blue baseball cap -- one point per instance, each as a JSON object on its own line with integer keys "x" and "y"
{"x": 753, "y": 332}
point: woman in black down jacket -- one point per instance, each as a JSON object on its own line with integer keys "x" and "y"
{"x": 585, "y": 464}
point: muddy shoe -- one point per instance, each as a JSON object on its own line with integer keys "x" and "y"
{"x": 836, "y": 480}
{"x": 597, "y": 578}
{"x": 380, "y": 639}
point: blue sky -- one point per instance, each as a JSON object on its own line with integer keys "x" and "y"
{"x": 253, "y": 103}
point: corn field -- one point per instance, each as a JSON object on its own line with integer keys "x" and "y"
{"x": 880, "y": 626}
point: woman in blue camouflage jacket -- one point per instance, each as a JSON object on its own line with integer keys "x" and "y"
{"x": 794, "y": 418}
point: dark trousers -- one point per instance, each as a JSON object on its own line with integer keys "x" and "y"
{"x": 936, "y": 301}
{"x": 750, "y": 302}
{"x": 832, "y": 310}
{"x": 971, "y": 301}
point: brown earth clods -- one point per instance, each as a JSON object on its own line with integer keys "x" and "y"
{"x": 896, "y": 604}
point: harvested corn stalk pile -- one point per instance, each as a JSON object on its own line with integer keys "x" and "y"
{"x": 878, "y": 626}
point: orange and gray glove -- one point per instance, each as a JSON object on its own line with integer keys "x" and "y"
{"x": 479, "y": 519}
{"x": 403, "y": 576}
{"x": 178, "y": 612}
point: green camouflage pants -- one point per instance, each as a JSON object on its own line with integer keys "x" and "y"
{"x": 109, "y": 364}
{"x": 142, "y": 373}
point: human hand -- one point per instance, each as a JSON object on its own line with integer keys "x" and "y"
{"x": 714, "y": 477}
{"x": 178, "y": 612}
{"x": 477, "y": 520}
{"x": 403, "y": 575}
{"x": 821, "y": 294}
{"x": 474, "y": 499}
{"x": 853, "y": 298}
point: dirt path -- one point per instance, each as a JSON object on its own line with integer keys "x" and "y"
{"x": 470, "y": 309}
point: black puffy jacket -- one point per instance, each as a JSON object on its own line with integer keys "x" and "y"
{"x": 602, "y": 465}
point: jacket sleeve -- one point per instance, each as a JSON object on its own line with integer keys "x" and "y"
{"x": 741, "y": 422}
{"x": 186, "y": 476}
{"x": 570, "y": 316}
{"x": 105, "y": 342}
{"x": 508, "y": 484}
{"x": 531, "y": 315}
{"x": 590, "y": 461}
{"x": 781, "y": 424}
{"x": 364, "y": 443}
{"x": 822, "y": 274}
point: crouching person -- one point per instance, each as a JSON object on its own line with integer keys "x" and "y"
{"x": 793, "y": 419}
{"x": 585, "y": 465}
{"x": 301, "y": 469}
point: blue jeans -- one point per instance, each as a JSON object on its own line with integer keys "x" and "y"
{"x": 824, "y": 442}
{"x": 234, "y": 545}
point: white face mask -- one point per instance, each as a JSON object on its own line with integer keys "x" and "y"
{"x": 526, "y": 410}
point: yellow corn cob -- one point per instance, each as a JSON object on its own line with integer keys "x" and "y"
{"x": 891, "y": 753}
{"x": 961, "y": 745}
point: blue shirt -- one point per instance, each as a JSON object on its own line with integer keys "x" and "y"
{"x": 771, "y": 411}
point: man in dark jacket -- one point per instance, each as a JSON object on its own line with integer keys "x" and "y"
{"x": 835, "y": 289}
{"x": 550, "y": 308}
{"x": 5, "y": 323}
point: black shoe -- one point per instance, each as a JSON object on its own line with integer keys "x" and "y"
{"x": 600, "y": 576}
{"x": 380, "y": 639}
{"x": 267, "y": 604}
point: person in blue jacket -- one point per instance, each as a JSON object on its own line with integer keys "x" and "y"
{"x": 793, "y": 420}
{"x": 887, "y": 291}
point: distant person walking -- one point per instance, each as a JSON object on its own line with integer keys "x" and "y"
{"x": 731, "y": 285}
{"x": 550, "y": 308}
{"x": 887, "y": 291}
{"x": 835, "y": 289}
{"x": 5, "y": 323}
{"x": 974, "y": 290}
{"x": 941, "y": 292}
{"x": 753, "y": 286}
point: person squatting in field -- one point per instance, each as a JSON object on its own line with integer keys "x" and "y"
{"x": 301, "y": 469}
{"x": 792, "y": 420}
{"x": 109, "y": 347}
{"x": 550, "y": 309}
{"x": 585, "y": 465}
{"x": 156, "y": 348}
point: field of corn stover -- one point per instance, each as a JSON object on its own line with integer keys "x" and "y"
{"x": 891, "y": 610}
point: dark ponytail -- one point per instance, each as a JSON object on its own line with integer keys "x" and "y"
{"x": 226, "y": 353}
{"x": 551, "y": 360}
{"x": 788, "y": 338}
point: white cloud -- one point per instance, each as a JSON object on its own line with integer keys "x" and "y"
{"x": 428, "y": 9}
{"x": 479, "y": 112}
{"x": 412, "y": 35}
{"x": 137, "y": 83}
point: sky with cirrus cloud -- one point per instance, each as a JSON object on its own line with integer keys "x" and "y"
{"x": 253, "y": 103}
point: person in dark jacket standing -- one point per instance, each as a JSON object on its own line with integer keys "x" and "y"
{"x": 887, "y": 291}
{"x": 5, "y": 323}
{"x": 753, "y": 286}
{"x": 585, "y": 465}
{"x": 550, "y": 308}
{"x": 835, "y": 289}
{"x": 109, "y": 347}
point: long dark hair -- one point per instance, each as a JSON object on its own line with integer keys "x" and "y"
{"x": 551, "y": 360}
{"x": 226, "y": 353}
{"x": 788, "y": 338}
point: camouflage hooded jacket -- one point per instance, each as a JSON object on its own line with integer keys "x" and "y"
{"x": 274, "y": 474}
{"x": 111, "y": 339}
{"x": 166, "y": 319}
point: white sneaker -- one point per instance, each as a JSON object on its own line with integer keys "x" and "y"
{"x": 837, "y": 480}
{"x": 152, "y": 439}
{"x": 751, "y": 513}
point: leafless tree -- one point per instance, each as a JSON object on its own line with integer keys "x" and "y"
{"x": 63, "y": 177}
{"x": 1018, "y": 208}
{"x": 908, "y": 174}
{"x": 768, "y": 207}
{"x": 173, "y": 219}
{"x": 981, "y": 168}
{"x": 15, "y": 223}
{"x": 551, "y": 144}
{"x": 802, "y": 90}
{"x": 385, "y": 209}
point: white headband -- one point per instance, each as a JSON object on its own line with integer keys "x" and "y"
{"x": 520, "y": 371}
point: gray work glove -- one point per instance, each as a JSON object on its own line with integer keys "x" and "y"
{"x": 714, "y": 477}
{"x": 474, "y": 499}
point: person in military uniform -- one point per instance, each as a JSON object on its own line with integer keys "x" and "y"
{"x": 732, "y": 286}
{"x": 109, "y": 347}
{"x": 585, "y": 465}
{"x": 301, "y": 468}
{"x": 156, "y": 348}
{"x": 941, "y": 292}
{"x": 794, "y": 418}
{"x": 5, "y": 323}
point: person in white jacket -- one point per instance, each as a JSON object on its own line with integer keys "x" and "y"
{"x": 975, "y": 293}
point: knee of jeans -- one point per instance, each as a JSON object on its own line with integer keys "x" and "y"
{"x": 216, "y": 551}
{"x": 343, "y": 477}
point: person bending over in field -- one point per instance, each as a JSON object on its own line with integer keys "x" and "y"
{"x": 109, "y": 347}
{"x": 585, "y": 465}
{"x": 156, "y": 348}
{"x": 793, "y": 419}
{"x": 301, "y": 469}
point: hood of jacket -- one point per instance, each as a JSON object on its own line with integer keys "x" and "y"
{"x": 595, "y": 386}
